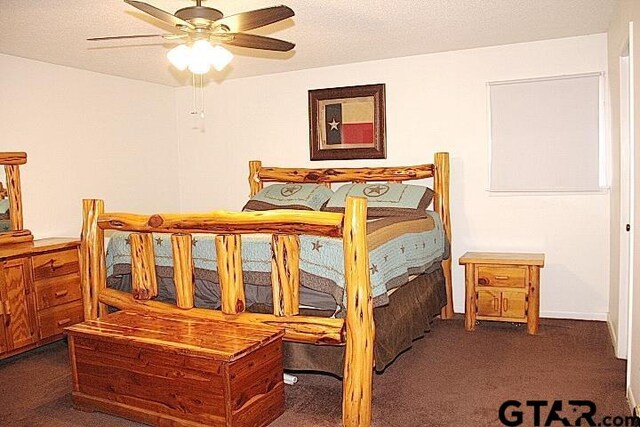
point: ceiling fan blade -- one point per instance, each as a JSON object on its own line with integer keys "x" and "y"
{"x": 256, "y": 42}
{"x": 256, "y": 18}
{"x": 159, "y": 14}
{"x": 135, "y": 36}
{"x": 174, "y": 36}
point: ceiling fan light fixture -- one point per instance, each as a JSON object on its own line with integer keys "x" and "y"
{"x": 219, "y": 57}
{"x": 201, "y": 51}
{"x": 200, "y": 57}
{"x": 199, "y": 65}
{"x": 180, "y": 56}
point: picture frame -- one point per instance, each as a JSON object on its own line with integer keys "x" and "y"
{"x": 347, "y": 123}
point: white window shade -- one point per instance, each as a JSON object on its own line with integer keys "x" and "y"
{"x": 546, "y": 134}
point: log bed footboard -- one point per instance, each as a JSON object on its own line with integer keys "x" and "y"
{"x": 356, "y": 331}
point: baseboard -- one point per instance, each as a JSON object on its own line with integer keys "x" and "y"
{"x": 613, "y": 334}
{"x": 574, "y": 315}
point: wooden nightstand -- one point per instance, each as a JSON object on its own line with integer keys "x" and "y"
{"x": 503, "y": 287}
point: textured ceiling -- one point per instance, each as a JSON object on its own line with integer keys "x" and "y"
{"x": 327, "y": 32}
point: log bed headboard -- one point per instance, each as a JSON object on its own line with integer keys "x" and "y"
{"x": 356, "y": 331}
{"x": 438, "y": 170}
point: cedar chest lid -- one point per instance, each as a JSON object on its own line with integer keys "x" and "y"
{"x": 220, "y": 340}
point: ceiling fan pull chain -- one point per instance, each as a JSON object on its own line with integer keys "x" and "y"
{"x": 202, "y": 99}
{"x": 198, "y": 122}
{"x": 194, "y": 110}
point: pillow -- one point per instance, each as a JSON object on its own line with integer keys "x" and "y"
{"x": 290, "y": 196}
{"x": 388, "y": 199}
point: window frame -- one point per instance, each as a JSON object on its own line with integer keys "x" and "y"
{"x": 603, "y": 146}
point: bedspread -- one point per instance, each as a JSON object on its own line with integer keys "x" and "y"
{"x": 398, "y": 249}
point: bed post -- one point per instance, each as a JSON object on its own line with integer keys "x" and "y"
{"x": 360, "y": 328}
{"x": 92, "y": 271}
{"x": 183, "y": 277}
{"x": 441, "y": 205}
{"x": 229, "y": 264}
{"x": 144, "y": 282}
{"x": 255, "y": 184}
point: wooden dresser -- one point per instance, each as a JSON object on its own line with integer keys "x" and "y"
{"x": 40, "y": 293}
{"x": 502, "y": 287}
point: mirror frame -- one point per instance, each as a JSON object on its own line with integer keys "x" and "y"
{"x": 12, "y": 162}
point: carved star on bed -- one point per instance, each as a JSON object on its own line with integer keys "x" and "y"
{"x": 159, "y": 241}
{"x": 316, "y": 245}
{"x": 375, "y": 190}
{"x": 374, "y": 269}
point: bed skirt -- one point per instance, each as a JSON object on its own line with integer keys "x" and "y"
{"x": 407, "y": 317}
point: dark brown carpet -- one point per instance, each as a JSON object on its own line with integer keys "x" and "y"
{"x": 449, "y": 378}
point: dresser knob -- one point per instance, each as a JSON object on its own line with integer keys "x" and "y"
{"x": 61, "y": 294}
{"x": 64, "y": 322}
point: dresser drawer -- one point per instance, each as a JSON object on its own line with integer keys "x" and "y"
{"x": 502, "y": 276}
{"x": 58, "y": 291}
{"x": 55, "y": 264}
{"x": 53, "y": 320}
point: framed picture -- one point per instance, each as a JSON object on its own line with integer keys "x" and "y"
{"x": 347, "y": 123}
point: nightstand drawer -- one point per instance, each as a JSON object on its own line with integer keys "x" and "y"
{"x": 502, "y": 276}
{"x": 58, "y": 291}
{"x": 55, "y": 264}
{"x": 53, "y": 320}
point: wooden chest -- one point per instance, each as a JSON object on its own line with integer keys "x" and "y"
{"x": 164, "y": 370}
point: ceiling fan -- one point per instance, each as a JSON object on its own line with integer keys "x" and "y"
{"x": 200, "y": 25}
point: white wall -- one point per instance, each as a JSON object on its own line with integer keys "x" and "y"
{"x": 435, "y": 102}
{"x": 87, "y": 135}
{"x": 627, "y": 10}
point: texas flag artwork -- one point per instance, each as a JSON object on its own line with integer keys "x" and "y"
{"x": 348, "y": 122}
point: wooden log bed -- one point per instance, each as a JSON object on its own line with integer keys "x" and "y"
{"x": 356, "y": 331}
